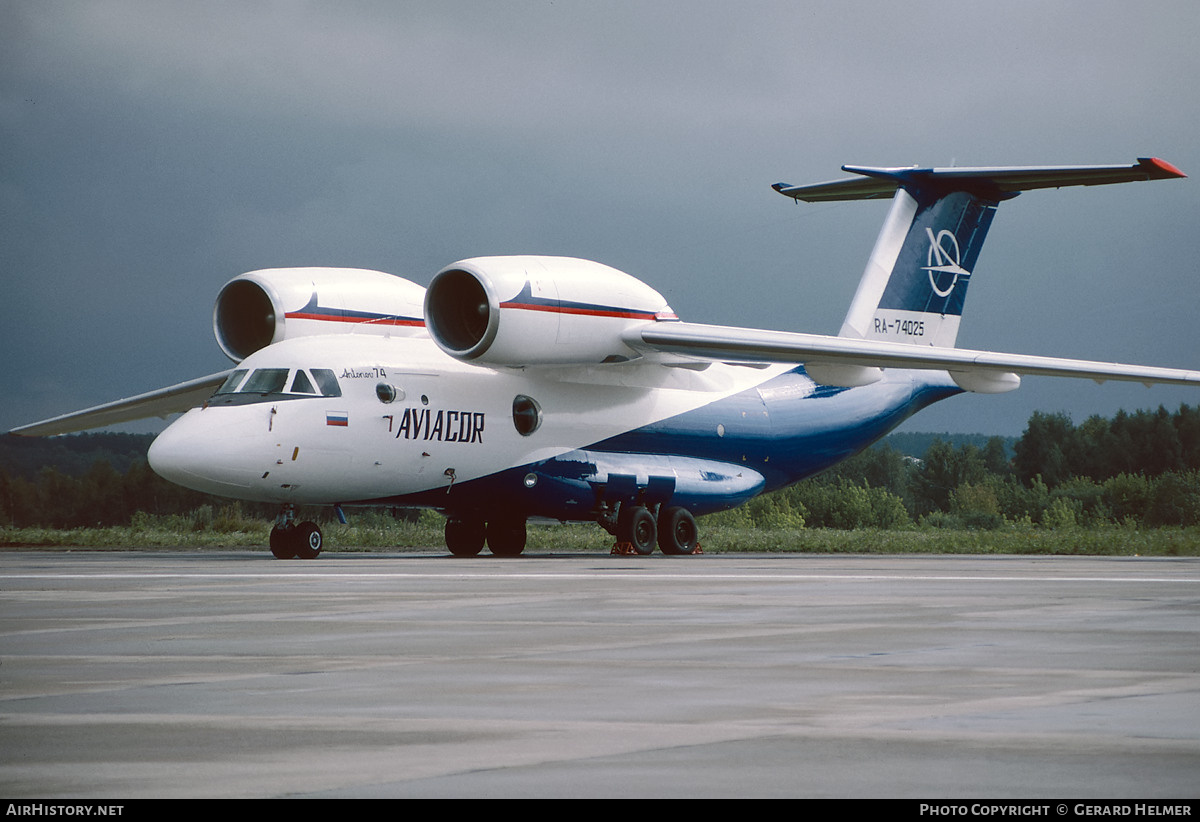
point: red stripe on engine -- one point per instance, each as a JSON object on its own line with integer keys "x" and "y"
{"x": 300, "y": 315}
{"x": 587, "y": 312}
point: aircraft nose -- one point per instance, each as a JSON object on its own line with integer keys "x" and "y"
{"x": 197, "y": 453}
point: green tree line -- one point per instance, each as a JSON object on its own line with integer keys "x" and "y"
{"x": 93, "y": 480}
{"x": 1140, "y": 468}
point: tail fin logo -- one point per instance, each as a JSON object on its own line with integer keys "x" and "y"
{"x": 947, "y": 257}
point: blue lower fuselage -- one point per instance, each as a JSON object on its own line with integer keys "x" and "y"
{"x": 709, "y": 459}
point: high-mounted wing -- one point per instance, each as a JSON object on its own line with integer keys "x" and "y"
{"x": 754, "y": 345}
{"x": 171, "y": 400}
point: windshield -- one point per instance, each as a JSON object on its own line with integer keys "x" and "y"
{"x": 264, "y": 383}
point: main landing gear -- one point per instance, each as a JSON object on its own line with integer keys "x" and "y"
{"x": 677, "y": 531}
{"x": 290, "y": 540}
{"x": 504, "y": 534}
{"x": 637, "y": 530}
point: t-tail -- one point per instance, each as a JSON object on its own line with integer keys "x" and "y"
{"x": 917, "y": 277}
{"x": 906, "y": 312}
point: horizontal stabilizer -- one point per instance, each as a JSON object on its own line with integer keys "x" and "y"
{"x": 172, "y": 400}
{"x": 999, "y": 182}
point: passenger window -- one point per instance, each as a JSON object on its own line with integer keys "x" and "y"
{"x": 302, "y": 385}
{"x": 266, "y": 381}
{"x": 230, "y": 385}
{"x": 327, "y": 382}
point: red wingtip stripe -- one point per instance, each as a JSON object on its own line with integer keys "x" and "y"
{"x": 1165, "y": 167}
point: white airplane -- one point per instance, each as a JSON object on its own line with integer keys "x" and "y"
{"x": 556, "y": 388}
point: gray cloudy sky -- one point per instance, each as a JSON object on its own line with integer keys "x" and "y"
{"x": 151, "y": 150}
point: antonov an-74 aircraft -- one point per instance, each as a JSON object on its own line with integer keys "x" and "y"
{"x": 555, "y": 388}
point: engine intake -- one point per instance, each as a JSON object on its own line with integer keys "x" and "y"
{"x": 466, "y": 316}
{"x": 244, "y": 319}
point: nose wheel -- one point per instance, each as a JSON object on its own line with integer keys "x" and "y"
{"x": 292, "y": 541}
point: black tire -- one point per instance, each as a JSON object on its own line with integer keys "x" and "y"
{"x": 464, "y": 537}
{"x": 307, "y": 539}
{"x": 282, "y": 544}
{"x": 677, "y": 531}
{"x": 506, "y": 536}
{"x": 636, "y": 526}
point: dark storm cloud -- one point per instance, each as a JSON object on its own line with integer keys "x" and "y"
{"x": 153, "y": 150}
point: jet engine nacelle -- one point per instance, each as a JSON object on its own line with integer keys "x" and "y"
{"x": 538, "y": 310}
{"x": 256, "y": 309}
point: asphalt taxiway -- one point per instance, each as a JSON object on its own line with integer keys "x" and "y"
{"x": 230, "y": 674}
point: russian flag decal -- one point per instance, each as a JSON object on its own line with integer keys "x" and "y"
{"x": 338, "y": 418}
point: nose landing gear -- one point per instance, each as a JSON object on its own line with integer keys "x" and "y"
{"x": 292, "y": 541}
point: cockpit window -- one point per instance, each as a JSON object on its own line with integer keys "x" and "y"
{"x": 266, "y": 381}
{"x": 231, "y": 383}
{"x": 267, "y": 385}
{"x": 327, "y": 381}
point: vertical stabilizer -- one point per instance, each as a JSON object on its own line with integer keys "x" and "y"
{"x": 916, "y": 279}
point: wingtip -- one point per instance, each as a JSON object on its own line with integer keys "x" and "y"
{"x": 1161, "y": 167}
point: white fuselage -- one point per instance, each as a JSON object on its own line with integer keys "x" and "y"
{"x": 450, "y": 421}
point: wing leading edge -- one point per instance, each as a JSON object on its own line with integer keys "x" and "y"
{"x": 754, "y": 345}
{"x": 171, "y": 400}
